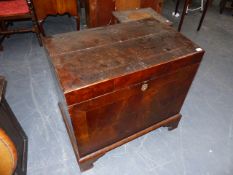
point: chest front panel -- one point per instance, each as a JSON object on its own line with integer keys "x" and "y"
{"x": 106, "y": 119}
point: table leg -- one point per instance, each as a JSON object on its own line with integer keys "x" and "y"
{"x": 203, "y": 14}
{"x": 77, "y": 19}
{"x": 1, "y": 41}
{"x": 82, "y": 3}
{"x": 3, "y": 27}
{"x": 173, "y": 125}
{"x": 222, "y": 5}
{"x": 177, "y": 6}
{"x": 88, "y": 164}
{"x": 183, "y": 14}
{"x": 40, "y": 23}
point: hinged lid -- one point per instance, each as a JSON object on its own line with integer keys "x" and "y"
{"x": 110, "y": 57}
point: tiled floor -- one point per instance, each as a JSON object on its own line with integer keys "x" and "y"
{"x": 202, "y": 144}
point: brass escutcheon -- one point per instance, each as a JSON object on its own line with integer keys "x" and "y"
{"x": 144, "y": 87}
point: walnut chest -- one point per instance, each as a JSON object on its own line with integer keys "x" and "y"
{"x": 120, "y": 82}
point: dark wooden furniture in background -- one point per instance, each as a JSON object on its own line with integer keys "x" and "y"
{"x": 99, "y": 12}
{"x": 186, "y": 3}
{"x": 17, "y": 10}
{"x": 223, "y": 4}
{"x": 11, "y": 126}
{"x": 45, "y": 8}
{"x": 139, "y": 14}
{"x": 120, "y": 82}
{"x": 82, "y": 3}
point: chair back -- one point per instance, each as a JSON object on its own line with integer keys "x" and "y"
{"x": 17, "y": 10}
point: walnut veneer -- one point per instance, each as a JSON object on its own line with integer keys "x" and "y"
{"x": 119, "y": 82}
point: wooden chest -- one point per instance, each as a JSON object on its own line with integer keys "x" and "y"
{"x": 120, "y": 82}
{"x": 99, "y": 12}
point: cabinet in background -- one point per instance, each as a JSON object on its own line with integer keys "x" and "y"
{"x": 43, "y": 8}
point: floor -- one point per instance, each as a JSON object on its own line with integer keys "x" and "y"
{"x": 202, "y": 144}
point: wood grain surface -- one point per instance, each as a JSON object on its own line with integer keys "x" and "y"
{"x": 120, "y": 82}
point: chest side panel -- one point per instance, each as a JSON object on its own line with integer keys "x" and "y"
{"x": 104, "y": 120}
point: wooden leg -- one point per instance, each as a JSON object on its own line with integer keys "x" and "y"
{"x": 40, "y": 23}
{"x": 203, "y": 14}
{"x": 82, "y": 3}
{"x": 39, "y": 38}
{"x": 88, "y": 164}
{"x": 3, "y": 28}
{"x": 174, "y": 124}
{"x": 85, "y": 166}
{"x": 222, "y": 5}
{"x": 177, "y": 6}
{"x": 36, "y": 29}
{"x": 77, "y": 22}
{"x": 183, "y": 14}
{"x": 1, "y": 41}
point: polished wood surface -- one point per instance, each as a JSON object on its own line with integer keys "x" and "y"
{"x": 99, "y": 12}
{"x": 10, "y": 125}
{"x": 120, "y": 82}
{"x": 45, "y": 8}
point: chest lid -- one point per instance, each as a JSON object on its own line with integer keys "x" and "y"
{"x": 101, "y": 60}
